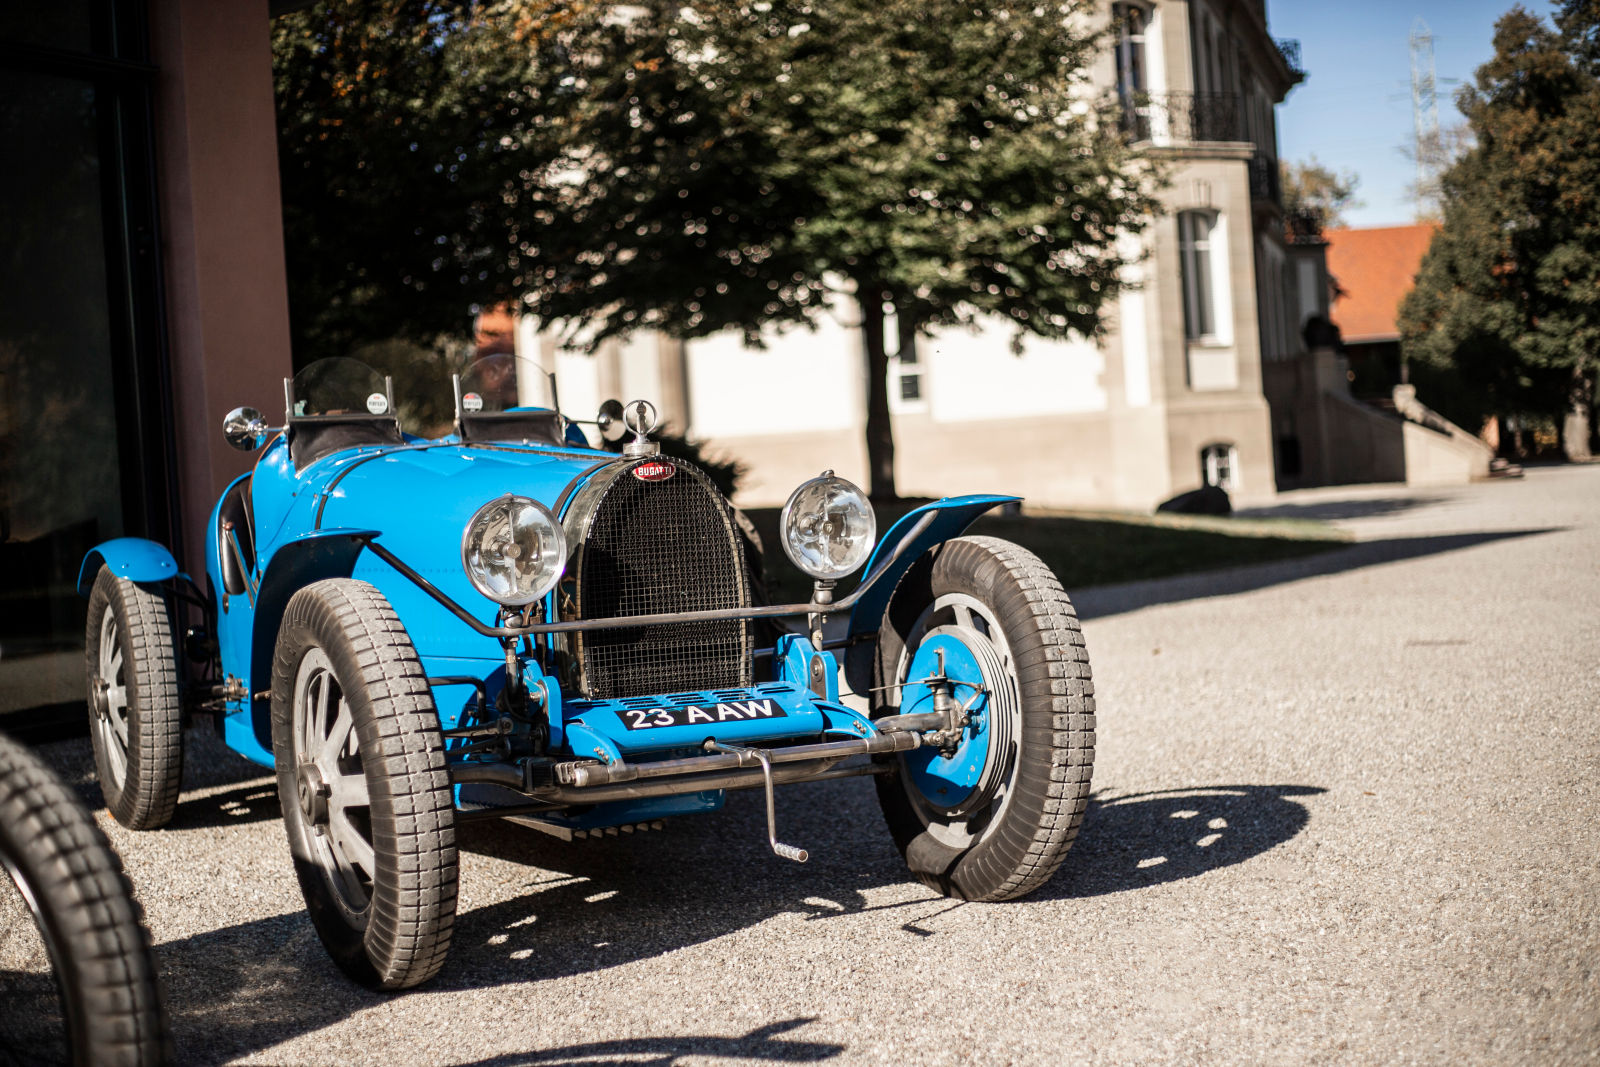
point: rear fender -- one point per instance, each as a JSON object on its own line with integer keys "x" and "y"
{"x": 951, "y": 517}
{"x": 133, "y": 558}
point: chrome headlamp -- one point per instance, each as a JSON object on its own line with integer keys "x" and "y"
{"x": 513, "y": 550}
{"x": 828, "y": 527}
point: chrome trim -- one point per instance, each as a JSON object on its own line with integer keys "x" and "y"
{"x": 771, "y": 611}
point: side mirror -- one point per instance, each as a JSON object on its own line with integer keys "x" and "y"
{"x": 610, "y": 421}
{"x": 246, "y": 429}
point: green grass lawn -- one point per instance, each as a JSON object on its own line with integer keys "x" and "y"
{"x": 1099, "y": 548}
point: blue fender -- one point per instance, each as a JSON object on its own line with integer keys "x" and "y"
{"x": 309, "y": 558}
{"x": 951, "y": 516}
{"x": 132, "y": 558}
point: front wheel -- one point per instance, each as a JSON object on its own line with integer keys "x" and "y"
{"x": 365, "y": 791}
{"x": 990, "y": 812}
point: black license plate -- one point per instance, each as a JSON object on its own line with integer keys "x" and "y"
{"x": 707, "y": 715}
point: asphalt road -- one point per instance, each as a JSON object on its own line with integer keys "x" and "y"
{"x": 1345, "y": 811}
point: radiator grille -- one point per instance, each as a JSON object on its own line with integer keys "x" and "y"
{"x": 662, "y": 546}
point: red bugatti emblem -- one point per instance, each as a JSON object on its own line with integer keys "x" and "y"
{"x": 654, "y": 471}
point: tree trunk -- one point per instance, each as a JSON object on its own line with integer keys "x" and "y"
{"x": 880, "y": 431}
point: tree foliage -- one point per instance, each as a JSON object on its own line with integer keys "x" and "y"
{"x": 401, "y": 123}
{"x": 1508, "y": 296}
{"x": 1315, "y": 191}
{"x": 701, "y": 165}
{"x": 943, "y": 160}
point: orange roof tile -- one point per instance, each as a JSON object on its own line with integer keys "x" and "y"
{"x": 1374, "y": 269}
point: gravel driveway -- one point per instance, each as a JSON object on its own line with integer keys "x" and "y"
{"x": 1345, "y": 812}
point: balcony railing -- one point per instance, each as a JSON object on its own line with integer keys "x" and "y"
{"x": 1289, "y": 49}
{"x": 1166, "y": 118}
{"x": 1264, "y": 181}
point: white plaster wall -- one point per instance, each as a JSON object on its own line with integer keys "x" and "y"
{"x": 973, "y": 375}
{"x": 578, "y": 379}
{"x": 803, "y": 381}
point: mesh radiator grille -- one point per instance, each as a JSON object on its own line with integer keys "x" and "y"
{"x": 662, "y": 546}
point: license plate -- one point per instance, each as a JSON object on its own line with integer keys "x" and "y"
{"x": 709, "y": 715}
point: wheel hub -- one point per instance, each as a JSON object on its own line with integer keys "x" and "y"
{"x": 314, "y": 792}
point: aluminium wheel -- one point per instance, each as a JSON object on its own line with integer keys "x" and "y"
{"x": 991, "y": 813}
{"x": 135, "y": 716}
{"x": 366, "y": 794}
{"x": 78, "y": 979}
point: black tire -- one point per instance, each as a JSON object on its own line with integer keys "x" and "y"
{"x": 371, "y": 826}
{"x": 135, "y": 716}
{"x": 1012, "y": 833}
{"x": 104, "y": 1004}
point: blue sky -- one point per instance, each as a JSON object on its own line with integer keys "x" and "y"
{"x": 1353, "y": 111}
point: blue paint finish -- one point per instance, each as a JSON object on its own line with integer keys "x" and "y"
{"x": 132, "y": 558}
{"x": 239, "y": 733}
{"x": 947, "y": 781}
{"x": 793, "y": 654}
{"x": 534, "y": 679}
{"x": 584, "y": 740}
{"x": 737, "y": 716}
{"x": 953, "y": 515}
{"x": 842, "y": 721}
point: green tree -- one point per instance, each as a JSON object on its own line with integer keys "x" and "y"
{"x": 933, "y": 159}
{"x": 1508, "y": 296}
{"x": 400, "y": 125}
{"x": 701, "y": 165}
{"x": 1316, "y": 192}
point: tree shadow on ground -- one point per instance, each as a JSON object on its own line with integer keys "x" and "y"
{"x": 1100, "y": 601}
{"x": 577, "y": 908}
{"x": 1145, "y": 839}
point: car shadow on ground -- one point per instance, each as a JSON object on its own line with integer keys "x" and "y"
{"x": 762, "y": 1043}
{"x": 1100, "y": 601}
{"x": 577, "y": 908}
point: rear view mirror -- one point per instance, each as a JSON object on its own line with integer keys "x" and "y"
{"x": 610, "y": 421}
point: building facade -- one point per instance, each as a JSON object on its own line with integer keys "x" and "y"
{"x": 1169, "y": 400}
{"x": 142, "y": 295}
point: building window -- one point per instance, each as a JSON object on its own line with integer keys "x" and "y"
{"x": 1217, "y": 464}
{"x": 1128, "y": 23}
{"x": 1199, "y": 287}
{"x": 910, "y": 386}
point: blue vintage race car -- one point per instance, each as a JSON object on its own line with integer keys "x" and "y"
{"x": 504, "y": 622}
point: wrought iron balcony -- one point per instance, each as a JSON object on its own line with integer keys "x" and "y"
{"x": 1176, "y": 117}
{"x": 1289, "y": 49}
{"x": 1264, "y": 179}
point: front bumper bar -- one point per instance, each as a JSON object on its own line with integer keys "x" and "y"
{"x": 591, "y": 782}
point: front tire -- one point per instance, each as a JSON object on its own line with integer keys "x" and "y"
{"x": 365, "y": 791}
{"x": 992, "y": 815}
{"x": 135, "y": 716}
{"x": 103, "y": 1003}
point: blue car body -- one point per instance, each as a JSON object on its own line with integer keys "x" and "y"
{"x": 377, "y": 511}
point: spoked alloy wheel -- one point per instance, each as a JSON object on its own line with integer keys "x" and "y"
{"x": 135, "y": 717}
{"x": 990, "y": 810}
{"x": 365, "y": 791}
{"x": 331, "y": 786}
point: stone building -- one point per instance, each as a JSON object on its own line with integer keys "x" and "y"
{"x": 1170, "y": 400}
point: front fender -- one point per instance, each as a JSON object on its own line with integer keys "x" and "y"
{"x": 133, "y": 558}
{"x": 951, "y": 517}
{"x": 296, "y": 564}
